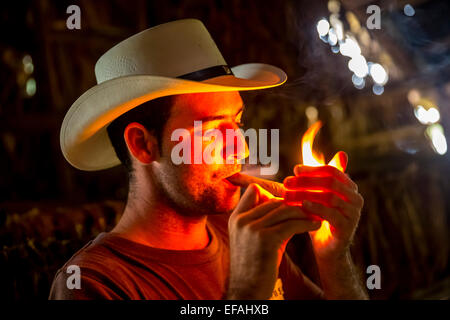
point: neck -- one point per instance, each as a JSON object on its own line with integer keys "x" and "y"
{"x": 149, "y": 221}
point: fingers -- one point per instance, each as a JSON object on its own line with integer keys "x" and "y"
{"x": 259, "y": 211}
{"x": 264, "y": 195}
{"x": 332, "y": 215}
{"x": 253, "y": 196}
{"x": 280, "y": 214}
{"x": 329, "y": 199}
{"x": 324, "y": 171}
{"x": 328, "y": 184}
{"x": 287, "y": 229}
{"x": 342, "y": 224}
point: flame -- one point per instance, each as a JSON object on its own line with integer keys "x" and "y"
{"x": 312, "y": 159}
{"x": 309, "y": 157}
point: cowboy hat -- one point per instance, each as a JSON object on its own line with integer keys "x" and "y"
{"x": 173, "y": 58}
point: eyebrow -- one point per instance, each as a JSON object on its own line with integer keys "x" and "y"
{"x": 219, "y": 117}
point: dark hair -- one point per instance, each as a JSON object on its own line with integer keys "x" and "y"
{"x": 153, "y": 115}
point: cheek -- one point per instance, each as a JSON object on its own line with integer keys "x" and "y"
{"x": 205, "y": 147}
{"x": 195, "y": 177}
{"x": 190, "y": 176}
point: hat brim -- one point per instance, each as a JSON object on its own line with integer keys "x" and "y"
{"x": 83, "y": 137}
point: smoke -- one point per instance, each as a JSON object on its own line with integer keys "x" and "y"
{"x": 422, "y": 35}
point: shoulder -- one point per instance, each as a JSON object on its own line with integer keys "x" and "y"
{"x": 81, "y": 286}
{"x": 91, "y": 273}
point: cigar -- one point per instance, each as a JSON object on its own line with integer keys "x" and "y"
{"x": 243, "y": 180}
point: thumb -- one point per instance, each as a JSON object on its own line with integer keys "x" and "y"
{"x": 249, "y": 199}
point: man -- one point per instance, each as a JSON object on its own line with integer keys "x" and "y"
{"x": 185, "y": 232}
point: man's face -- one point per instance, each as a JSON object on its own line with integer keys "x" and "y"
{"x": 199, "y": 189}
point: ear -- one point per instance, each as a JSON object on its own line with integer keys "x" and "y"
{"x": 142, "y": 145}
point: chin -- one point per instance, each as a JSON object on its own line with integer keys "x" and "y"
{"x": 228, "y": 202}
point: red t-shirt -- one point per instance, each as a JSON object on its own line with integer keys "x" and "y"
{"x": 112, "y": 267}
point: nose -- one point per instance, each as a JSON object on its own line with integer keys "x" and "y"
{"x": 236, "y": 147}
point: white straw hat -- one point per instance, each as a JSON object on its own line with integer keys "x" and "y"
{"x": 173, "y": 58}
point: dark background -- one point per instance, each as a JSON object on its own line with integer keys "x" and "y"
{"x": 48, "y": 209}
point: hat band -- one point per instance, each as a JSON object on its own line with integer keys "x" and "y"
{"x": 207, "y": 73}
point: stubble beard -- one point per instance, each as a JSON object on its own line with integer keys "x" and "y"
{"x": 176, "y": 195}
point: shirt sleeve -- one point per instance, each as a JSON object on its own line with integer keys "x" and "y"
{"x": 90, "y": 289}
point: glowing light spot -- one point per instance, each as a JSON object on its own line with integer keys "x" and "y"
{"x": 322, "y": 27}
{"x": 413, "y": 96}
{"x": 433, "y": 115}
{"x": 334, "y": 6}
{"x": 339, "y": 30}
{"x": 409, "y": 10}
{"x": 355, "y": 26}
{"x": 378, "y": 89}
{"x": 335, "y": 49}
{"x": 350, "y": 48}
{"x": 332, "y": 37}
{"x": 436, "y": 134}
{"x": 429, "y": 116}
{"x": 338, "y": 26}
{"x": 358, "y": 65}
{"x": 27, "y": 59}
{"x": 358, "y": 82}
{"x": 28, "y": 66}
{"x": 312, "y": 113}
{"x": 378, "y": 73}
{"x": 30, "y": 87}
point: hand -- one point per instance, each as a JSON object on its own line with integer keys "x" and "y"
{"x": 327, "y": 194}
{"x": 259, "y": 229}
